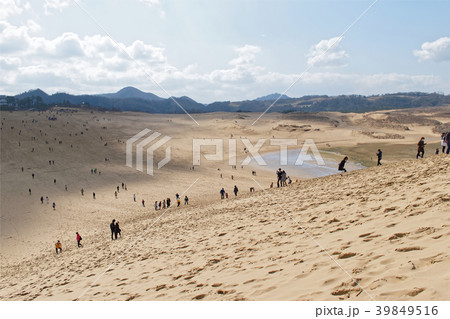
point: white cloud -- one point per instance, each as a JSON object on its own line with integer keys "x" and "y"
{"x": 437, "y": 51}
{"x": 95, "y": 64}
{"x": 77, "y": 62}
{"x": 327, "y": 53}
{"x": 150, "y": 3}
{"x": 58, "y": 5}
{"x": 243, "y": 67}
{"x": 11, "y": 63}
{"x": 145, "y": 52}
{"x": 371, "y": 83}
{"x": 33, "y": 26}
{"x": 12, "y": 7}
{"x": 68, "y": 45}
{"x": 246, "y": 55}
{"x": 14, "y": 39}
{"x": 99, "y": 45}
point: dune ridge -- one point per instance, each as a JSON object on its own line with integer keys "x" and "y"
{"x": 386, "y": 229}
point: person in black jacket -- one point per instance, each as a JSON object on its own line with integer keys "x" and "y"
{"x": 379, "y": 155}
{"x": 279, "y": 174}
{"x": 235, "y": 190}
{"x": 117, "y": 230}
{"x": 112, "y": 226}
{"x": 342, "y": 164}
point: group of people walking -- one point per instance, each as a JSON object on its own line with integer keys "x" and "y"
{"x": 165, "y": 203}
{"x": 282, "y": 179}
{"x": 445, "y": 142}
{"x": 115, "y": 229}
{"x": 58, "y": 244}
{"x": 115, "y": 233}
{"x": 224, "y": 194}
{"x": 445, "y": 139}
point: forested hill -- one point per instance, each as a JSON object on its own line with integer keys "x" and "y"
{"x": 131, "y": 99}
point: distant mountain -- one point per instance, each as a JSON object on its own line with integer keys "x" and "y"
{"x": 272, "y": 97}
{"x": 132, "y": 99}
{"x": 127, "y": 99}
{"x": 130, "y": 92}
{"x": 31, "y": 93}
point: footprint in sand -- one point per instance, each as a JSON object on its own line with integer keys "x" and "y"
{"x": 397, "y": 236}
{"x": 420, "y": 212}
{"x": 357, "y": 270}
{"x": 132, "y": 297}
{"x": 415, "y": 292}
{"x": 274, "y": 271}
{"x": 406, "y": 249}
{"x": 346, "y": 255}
{"x": 369, "y": 238}
{"x": 329, "y": 281}
{"x": 390, "y": 209}
{"x": 426, "y": 230}
{"x": 312, "y": 219}
{"x": 342, "y": 291}
{"x": 159, "y": 287}
{"x": 225, "y": 292}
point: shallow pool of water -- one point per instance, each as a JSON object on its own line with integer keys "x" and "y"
{"x": 308, "y": 169}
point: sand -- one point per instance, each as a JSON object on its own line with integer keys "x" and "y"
{"x": 380, "y": 233}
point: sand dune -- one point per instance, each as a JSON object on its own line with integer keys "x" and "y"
{"x": 380, "y": 233}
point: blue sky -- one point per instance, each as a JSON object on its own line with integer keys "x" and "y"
{"x": 225, "y": 50}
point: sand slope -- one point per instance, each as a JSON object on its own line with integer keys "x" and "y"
{"x": 381, "y": 233}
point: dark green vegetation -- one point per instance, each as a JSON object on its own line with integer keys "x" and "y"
{"x": 132, "y": 99}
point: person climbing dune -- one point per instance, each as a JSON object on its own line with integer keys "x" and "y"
{"x": 342, "y": 164}
{"x": 421, "y": 148}
{"x": 58, "y": 246}
{"x": 79, "y": 240}
{"x": 379, "y": 156}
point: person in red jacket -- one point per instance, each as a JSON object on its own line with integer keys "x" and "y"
{"x": 79, "y": 240}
